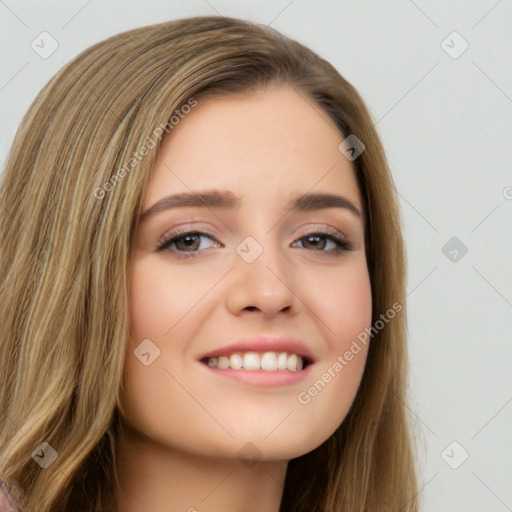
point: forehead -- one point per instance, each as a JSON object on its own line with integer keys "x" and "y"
{"x": 261, "y": 145}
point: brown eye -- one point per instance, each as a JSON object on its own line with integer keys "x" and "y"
{"x": 319, "y": 241}
{"x": 314, "y": 241}
{"x": 187, "y": 242}
{"x": 191, "y": 242}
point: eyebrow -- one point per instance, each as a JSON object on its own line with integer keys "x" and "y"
{"x": 228, "y": 200}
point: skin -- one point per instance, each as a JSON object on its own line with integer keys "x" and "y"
{"x": 183, "y": 425}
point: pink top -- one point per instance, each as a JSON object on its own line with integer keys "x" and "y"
{"x": 9, "y": 498}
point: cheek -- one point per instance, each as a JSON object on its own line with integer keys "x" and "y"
{"x": 152, "y": 398}
{"x": 151, "y": 313}
{"x": 162, "y": 294}
{"x": 159, "y": 298}
{"x": 344, "y": 305}
{"x": 343, "y": 302}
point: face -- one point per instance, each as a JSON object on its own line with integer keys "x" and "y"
{"x": 249, "y": 276}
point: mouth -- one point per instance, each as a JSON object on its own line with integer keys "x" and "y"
{"x": 262, "y": 361}
{"x": 252, "y": 361}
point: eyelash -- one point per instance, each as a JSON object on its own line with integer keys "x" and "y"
{"x": 168, "y": 239}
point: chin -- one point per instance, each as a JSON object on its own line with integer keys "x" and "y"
{"x": 282, "y": 444}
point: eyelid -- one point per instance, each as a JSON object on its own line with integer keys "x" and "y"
{"x": 342, "y": 242}
{"x": 183, "y": 230}
{"x": 324, "y": 228}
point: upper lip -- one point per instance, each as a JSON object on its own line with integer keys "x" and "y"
{"x": 264, "y": 344}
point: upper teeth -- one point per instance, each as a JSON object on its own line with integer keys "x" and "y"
{"x": 255, "y": 361}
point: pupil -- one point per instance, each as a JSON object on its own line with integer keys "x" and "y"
{"x": 189, "y": 240}
{"x": 313, "y": 239}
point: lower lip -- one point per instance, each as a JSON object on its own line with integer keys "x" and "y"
{"x": 263, "y": 378}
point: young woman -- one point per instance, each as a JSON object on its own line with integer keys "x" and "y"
{"x": 202, "y": 284}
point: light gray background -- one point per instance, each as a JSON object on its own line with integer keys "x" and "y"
{"x": 446, "y": 125}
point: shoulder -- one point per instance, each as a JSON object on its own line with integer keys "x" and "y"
{"x": 8, "y": 502}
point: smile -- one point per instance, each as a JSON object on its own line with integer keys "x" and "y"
{"x": 251, "y": 361}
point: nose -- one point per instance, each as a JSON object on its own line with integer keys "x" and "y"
{"x": 262, "y": 285}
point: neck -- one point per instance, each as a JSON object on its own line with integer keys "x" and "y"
{"x": 154, "y": 477}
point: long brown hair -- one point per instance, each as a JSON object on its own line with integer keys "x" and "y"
{"x": 70, "y": 198}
